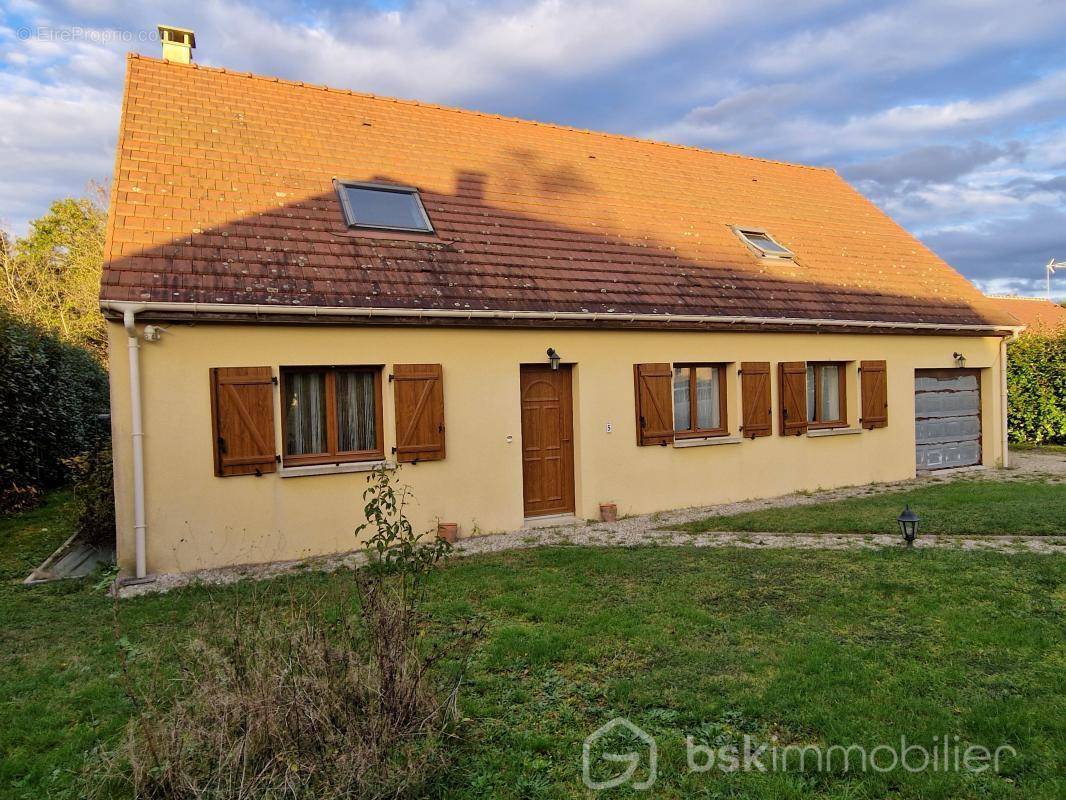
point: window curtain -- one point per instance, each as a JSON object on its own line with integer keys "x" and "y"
{"x": 830, "y": 378}
{"x": 305, "y": 424}
{"x": 811, "y": 410}
{"x": 708, "y": 414}
{"x": 682, "y": 399}
{"x": 356, "y": 418}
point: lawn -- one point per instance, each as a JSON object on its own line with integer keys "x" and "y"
{"x": 814, "y": 647}
{"x": 961, "y": 507}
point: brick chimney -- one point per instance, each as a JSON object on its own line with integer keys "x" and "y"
{"x": 178, "y": 43}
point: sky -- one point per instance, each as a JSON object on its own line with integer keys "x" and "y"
{"x": 949, "y": 114}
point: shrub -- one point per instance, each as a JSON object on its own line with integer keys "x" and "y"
{"x": 51, "y": 396}
{"x": 94, "y": 495}
{"x": 309, "y": 702}
{"x": 1036, "y": 383}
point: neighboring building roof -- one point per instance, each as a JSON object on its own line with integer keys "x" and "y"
{"x": 1033, "y": 312}
{"x": 223, "y": 195}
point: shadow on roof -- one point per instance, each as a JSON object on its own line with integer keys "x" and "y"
{"x": 298, "y": 252}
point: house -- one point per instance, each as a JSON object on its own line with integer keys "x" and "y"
{"x": 304, "y": 283}
{"x": 1035, "y": 313}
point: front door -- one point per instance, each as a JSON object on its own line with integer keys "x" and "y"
{"x": 547, "y": 441}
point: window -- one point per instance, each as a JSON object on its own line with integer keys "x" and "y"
{"x": 763, "y": 243}
{"x": 826, "y": 399}
{"x": 383, "y": 207}
{"x": 331, "y": 414}
{"x": 699, "y": 400}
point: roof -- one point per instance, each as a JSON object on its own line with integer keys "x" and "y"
{"x": 223, "y": 195}
{"x": 1032, "y": 312}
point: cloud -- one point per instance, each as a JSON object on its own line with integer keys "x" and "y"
{"x": 1026, "y": 187}
{"x": 909, "y": 37}
{"x": 1015, "y": 247}
{"x": 933, "y": 164}
{"x": 445, "y": 50}
{"x": 771, "y": 120}
{"x": 71, "y": 141}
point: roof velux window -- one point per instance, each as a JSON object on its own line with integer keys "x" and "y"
{"x": 383, "y": 206}
{"x": 763, "y": 243}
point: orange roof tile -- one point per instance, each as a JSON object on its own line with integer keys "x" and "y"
{"x": 1035, "y": 313}
{"x": 223, "y": 194}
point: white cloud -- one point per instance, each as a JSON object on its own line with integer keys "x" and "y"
{"x": 448, "y": 50}
{"x": 911, "y": 36}
{"x": 769, "y": 119}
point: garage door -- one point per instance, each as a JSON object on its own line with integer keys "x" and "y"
{"x": 947, "y": 417}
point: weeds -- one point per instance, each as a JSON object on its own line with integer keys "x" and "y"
{"x": 309, "y": 700}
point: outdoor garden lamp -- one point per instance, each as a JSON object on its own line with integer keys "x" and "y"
{"x": 908, "y": 525}
{"x": 554, "y": 358}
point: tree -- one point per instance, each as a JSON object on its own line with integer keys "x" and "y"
{"x": 51, "y": 278}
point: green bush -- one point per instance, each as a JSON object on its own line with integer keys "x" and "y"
{"x": 94, "y": 495}
{"x": 1036, "y": 382}
{"x": 51, "y": 397}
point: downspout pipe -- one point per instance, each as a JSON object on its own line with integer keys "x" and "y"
{"x": 140, "y": 526}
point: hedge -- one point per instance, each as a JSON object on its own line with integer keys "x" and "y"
{"x": 1036, "y": 383}
{"x": 51, "y": 397}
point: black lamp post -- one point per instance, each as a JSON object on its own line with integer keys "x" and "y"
{"x": 554, "y": 358}
{"x": 908, "y": 525}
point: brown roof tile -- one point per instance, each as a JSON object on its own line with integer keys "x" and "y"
{"x": 223, "y": 194}
{"x": 1033, "y": 312}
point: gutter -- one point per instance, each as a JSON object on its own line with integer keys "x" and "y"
{"x": 140, "y": 526}
{"x": 437, "y": 313}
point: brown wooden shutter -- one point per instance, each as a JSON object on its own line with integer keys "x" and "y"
{"x": 418, "y": 390}
{"x": 792, "y": 386}
{"x": 242, "y": 419}
{"x": 874, "y": 394}
{"x": 654, "y": 402}
{"x": 755, "y": 396}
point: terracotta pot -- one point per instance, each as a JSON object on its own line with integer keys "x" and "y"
{"x": 608, "y": 512}
{"x": 448, "y": 531}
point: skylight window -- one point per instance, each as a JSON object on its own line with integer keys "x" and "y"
{"x": 763, "y": 243}
{"x": 382, "y": 206}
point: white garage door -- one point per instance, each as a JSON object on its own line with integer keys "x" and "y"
{"x": 947, "y": 417}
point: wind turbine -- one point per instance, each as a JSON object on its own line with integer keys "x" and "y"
{"x": 1052, "y": 265}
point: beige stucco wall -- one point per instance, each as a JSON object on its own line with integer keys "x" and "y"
{"x": 196, "y": 520}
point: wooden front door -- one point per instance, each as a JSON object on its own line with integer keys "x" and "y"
{"x": 547, "y": 441}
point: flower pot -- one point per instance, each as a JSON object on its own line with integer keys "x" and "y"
{"x": 608, "y": 512}
{"x": 448, "y": 531}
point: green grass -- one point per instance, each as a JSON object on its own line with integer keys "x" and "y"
{"x": 828, "y": 647}
{"x": 962, "y": 507}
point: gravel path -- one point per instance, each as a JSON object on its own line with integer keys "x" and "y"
{"x": 647, "y": 530}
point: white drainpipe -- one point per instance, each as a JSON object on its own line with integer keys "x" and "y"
{"x": 137, "y": 436}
